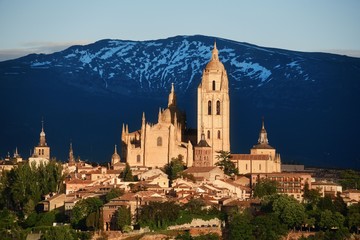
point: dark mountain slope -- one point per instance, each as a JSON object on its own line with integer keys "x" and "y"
{"x": 309, "y": 100}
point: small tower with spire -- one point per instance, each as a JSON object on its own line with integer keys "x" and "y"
{"x": 42, "y": 150}
{"x": 71, "y": 160}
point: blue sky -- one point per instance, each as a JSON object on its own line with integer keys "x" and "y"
{"x": 308, "y": 25}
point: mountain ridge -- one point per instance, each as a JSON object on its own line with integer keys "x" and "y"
{"x": 263, "y": 81}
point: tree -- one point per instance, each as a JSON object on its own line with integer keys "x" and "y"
{"x": 268, "y": 227}
{"x": 114, "y": 193}
{"x": 265, "y": 187}
{"x": 194, "y": 206}
{"x": 82, "y": 211}
{"x": 350, "y": 179}
{"x": 311, "y": 196}
{"x": 59, "y": 233}
{"x": 159, "y": 215}
{"x": 123, "y": 217}
{"x": 240, "y": 226}
{"x": 354, "y": 217}
{"x": 126, "y": 175}
{"x": 329, "y": 220}
{"x": 289, "y": 211}
{"x": 175, "y": 167}
{"x": 225, "y": 163}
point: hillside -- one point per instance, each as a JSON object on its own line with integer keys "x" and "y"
{"x": 84, "y": 93}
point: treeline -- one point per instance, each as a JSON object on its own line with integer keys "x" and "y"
{"x": 278, "y": 214}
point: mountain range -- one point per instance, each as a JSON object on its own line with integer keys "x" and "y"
{"x": 310, "y": 101}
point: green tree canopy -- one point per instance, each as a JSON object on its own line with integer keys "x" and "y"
{"x": 81, "y": 217}
{"x": 265, "y": 187}
{"x": 126, "y": 175}
{"x": 175, "y": 167}
{"x": 289, "y": 211}
{"x": 225, "y": 163}
{"x": 123, "y": 217}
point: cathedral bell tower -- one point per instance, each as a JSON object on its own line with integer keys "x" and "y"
{"x": 213, "y": 106}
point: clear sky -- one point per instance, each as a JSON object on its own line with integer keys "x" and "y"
{"x": 307, "y": 25}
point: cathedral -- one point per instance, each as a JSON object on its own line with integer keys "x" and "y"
{"x": 154, "y": 145}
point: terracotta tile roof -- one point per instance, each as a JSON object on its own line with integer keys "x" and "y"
{"x": 262, "y": 146}
{"x": 199, "y": 169}
{"x": 79, "y": 181}
{"x": 249, "y": 157}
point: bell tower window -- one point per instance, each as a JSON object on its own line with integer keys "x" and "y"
{"x": 209, "y": 107}
{"x": 213, "y": 85}
{"x": 208, "y": 134}
{"x": 218, "y": 108}
{"x": 218, "y": 134}
{"x": 159, "y": 141}
{"x": 138, "y": 158}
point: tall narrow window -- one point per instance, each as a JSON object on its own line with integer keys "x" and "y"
{"x": 209, "y": 107}
{"x": 138, "y": 158}
{"x": 217, "y": 107}
{"x": 208, "y": 134}
{"x": 213, "y": 86}
{"x": 218, "y": 134}
{"x": 259, "y": 166}
{"x": 159, "y": 141}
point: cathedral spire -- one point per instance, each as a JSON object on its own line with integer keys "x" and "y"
{"x": 115, "y": 150}
{"x": 215, "y": 53}
{"x": 159, "y": 115}
{"x": 172, "y": 96}
{"x": 263, "y": 134}
{"x": 42, "y": 141}
{"x": 143, "y": 119}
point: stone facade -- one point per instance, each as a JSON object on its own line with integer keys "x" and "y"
{"x": 213, "y": 107}
{"x": 154, "y": 145}
{"x": 262, "y": 158}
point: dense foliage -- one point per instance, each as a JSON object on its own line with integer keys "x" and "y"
{"x": 22, "y": 187}
{"x": 225, "y": 163}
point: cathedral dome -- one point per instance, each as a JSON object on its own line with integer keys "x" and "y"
{"x": 115, "y": 158}
{"x": 215, "y": 65}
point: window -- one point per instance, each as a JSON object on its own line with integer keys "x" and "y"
{"x": 259, "y": 166}
{"x": 159, "y": 141}
{"x": 218, "y": 108}
{"x": 208, "y": 134}
{"x": 213, "y": 85}
{"x": 218, "y": 135}
{"x": 39, "y": 151}
{"x": 138, "y": 158}
{"x": 209, "y": 107}
{"x": 245, "y": 166}
{"x": 42, "y": 151}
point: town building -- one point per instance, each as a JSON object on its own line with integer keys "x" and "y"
{"x": 262, "y": 158}
{"x": 41, "y": 152}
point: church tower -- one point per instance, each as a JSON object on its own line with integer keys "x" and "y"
{"x": 213, "y": 106}
{"x": 42, "y": 150}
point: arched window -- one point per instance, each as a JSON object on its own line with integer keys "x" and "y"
{"x": 208, "y": 134}
{"x": 209, "y": 107}
{"x": 217, "y": 107}
{"x": 159, "y": 141}
{"x": 218, "y": 134}
{"x": 213, "y": 86}
{"x": 138, "y": 158}
{"x": 259, "y": 166}
{"x": 42, "y": 151}
{"x": 39, "y": 151}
